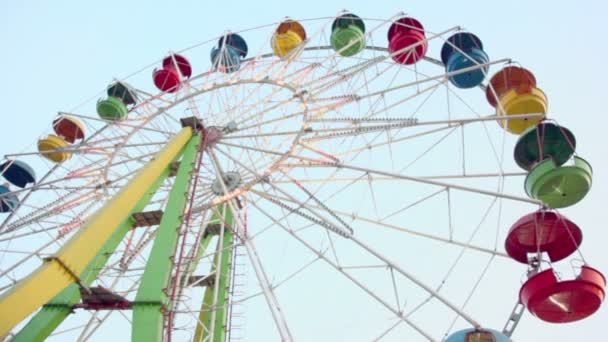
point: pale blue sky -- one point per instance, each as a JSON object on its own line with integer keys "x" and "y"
{"x": 58, "y": 54}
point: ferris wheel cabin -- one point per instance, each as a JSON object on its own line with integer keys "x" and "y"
{"x": 18, "y": 173}
{"x": 287, "y": 37}
{"x": 348, "y": 35}
{"x": 175, "y": 69}
{"x": 407, "y": 42}
{"x": 461, "y": 54}
{"x": 226, "y": 56}
{"x": 8, "y": 200}
{"x": 477, "y": 335}
{"x": 561, "y": 301}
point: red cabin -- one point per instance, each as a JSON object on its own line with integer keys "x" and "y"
{"x": 69, "y": 128}
{"x": 561, "y": 301}
{"x": 175, "y": 69}
{"x": 543, "y": 232}
{"x": 182, "y": 64}
{"x": 404, "y": 33}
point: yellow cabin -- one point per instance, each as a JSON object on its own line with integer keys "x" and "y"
{"x": 514, "y": 103}
{"x": 49, "y": 145}
{"x": 288, "y": 35}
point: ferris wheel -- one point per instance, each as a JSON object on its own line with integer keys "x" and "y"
{"x": 338, "y": 178}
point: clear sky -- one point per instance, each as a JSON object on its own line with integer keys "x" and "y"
{"x": 56, "y": 54}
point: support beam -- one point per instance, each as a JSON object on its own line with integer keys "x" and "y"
{"x": 214, "y": 309}
{"x": 241, "y": 229}
{"x": 57, "y": 309}
{"x": 56, "y": 273}
{"x": 151, "y": 298}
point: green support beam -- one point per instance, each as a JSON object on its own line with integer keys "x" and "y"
{"x": 151, "y": 297}
{"x": 57, "y": 309}
{"x": 210, "y": 316}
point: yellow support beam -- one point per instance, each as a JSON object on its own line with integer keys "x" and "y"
{"x": 60, "y": 270}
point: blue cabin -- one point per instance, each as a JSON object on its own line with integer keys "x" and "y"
{"x": 477, "y": 335}
{"x": 461, "y": 51}
{"x": 226, "y": 56}
{"x": 8, "y": 200}
{"x": 18, "y": 173}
